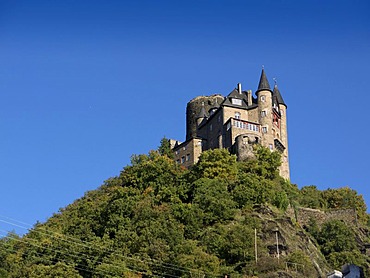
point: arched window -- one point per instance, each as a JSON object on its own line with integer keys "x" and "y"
{"x": 237, "y": 115}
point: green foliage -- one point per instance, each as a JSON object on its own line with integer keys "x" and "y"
{"x": 216, "y": 163}
{"x": 165, "y": 148}
{"x": 158, "y": 219}
{"x": 299, "y": 262}
{"x": 232, "y": 243}
{"x": 335, "y": 236}
{"x": 266, "y": 164}
{"x": 280, "y": 200}
{"x": 346, "y": 197}
{"x": 337, "y": 259}
{"x": 59, "y": 270}
{"x": 213, "y": 198}
{"x": 311, "y": 197}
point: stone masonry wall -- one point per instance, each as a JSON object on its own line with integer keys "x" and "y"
{"x": 303, "y": 215}
{"x": 193, "y": 109}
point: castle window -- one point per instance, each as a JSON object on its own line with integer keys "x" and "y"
{"x": 237, "y": 115}
{"x": 264, "y": 129}
{"x": 263, "y": 98}
{"x": 263, "y": 113}
{"x": 184, "y": 148}
{"x": 236, "y": 101}
{"x": 177, "y": 152}
{"x": 183, "y": 159}
{"x": 187, "y": 157}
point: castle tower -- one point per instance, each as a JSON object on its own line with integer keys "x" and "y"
{"x": 236, "y": 122}
{"x": 264, "y": 100}
{"x": 194, "y": 109}
{"x": 284, "y": 169}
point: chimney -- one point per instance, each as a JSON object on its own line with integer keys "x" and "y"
{"x": 249, "y": 95}
{"x": 240, "y": 88}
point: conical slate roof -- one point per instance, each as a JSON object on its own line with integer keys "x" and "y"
{"x": 279, "y": 98}
{"x": 202, "y": 113}
{"x": 264, "y": 83}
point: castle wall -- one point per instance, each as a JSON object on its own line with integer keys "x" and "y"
{"x": 229, "y": 112}
{"x": 187, "y": 153}
{"x": 253, "y": 115}
{"x": 303, "y": 216}
{"x": 213, "y": 131}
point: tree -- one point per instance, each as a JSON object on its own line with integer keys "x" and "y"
{"x": 217, "y": 163}
{"x": 165, "y": 148}
{"x": 265, "y": 165}
{"x": 311, "y": 197}
{"x": 213, "y": 198}
{"x": 335, "y": 236}
{"x": 337, "y": 259}
{"x": 300, "y": 262}
{"x": 346, "y": 197}
{"x": 59, "y": 270}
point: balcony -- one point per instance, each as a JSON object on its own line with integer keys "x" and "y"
{"x": 244, "y": 125}
{"x": 279, "y": 146}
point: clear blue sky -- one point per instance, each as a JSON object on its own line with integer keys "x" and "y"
{"x": 85, "y": 84}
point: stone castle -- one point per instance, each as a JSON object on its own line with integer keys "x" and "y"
{"x": 236, "y": 122}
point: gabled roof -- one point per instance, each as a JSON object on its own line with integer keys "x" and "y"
{"x": 264, "y": 83}
{"x": 276, "y": 94}
{"x": 236, "y": 95}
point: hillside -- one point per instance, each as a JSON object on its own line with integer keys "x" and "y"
{"x": 157, "y": 219}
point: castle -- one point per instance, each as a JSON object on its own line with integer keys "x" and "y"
{"x": 236, "y": 122}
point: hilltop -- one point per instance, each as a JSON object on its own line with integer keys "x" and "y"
{"x": 158, "y": 219}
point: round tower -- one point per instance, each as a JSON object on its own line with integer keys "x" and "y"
{"x": 195, "y": 107}
{"x": 284, "y": 169}
{"x": 264, "y": 96}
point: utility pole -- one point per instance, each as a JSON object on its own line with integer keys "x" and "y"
{"x": 277, "y": 243}
{"x": 255, "y": 244}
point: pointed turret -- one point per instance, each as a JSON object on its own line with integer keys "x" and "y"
{"x": 276, "y": 94}
{"x": 202, "y": 114}
{"x": 264, "y": 83}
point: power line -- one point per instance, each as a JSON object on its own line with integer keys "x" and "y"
{"x": 86, "y": 244}
{"x": 49, "y": 260}
{"x": 76, "y": 256}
